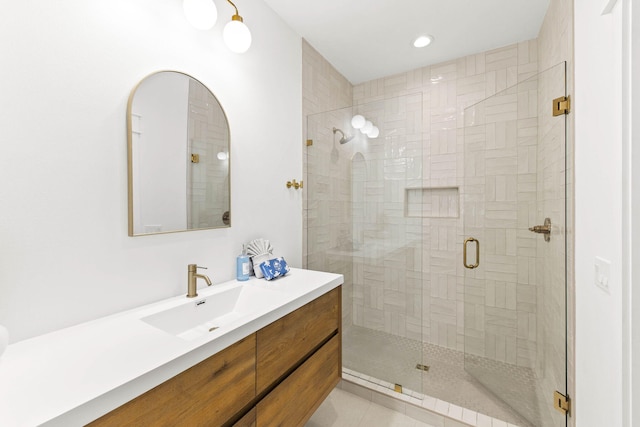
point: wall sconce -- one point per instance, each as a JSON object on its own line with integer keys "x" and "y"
{"x": 202, "y": 14}
{"x": 236, "y": 34}
{"x": 366, "y": 126}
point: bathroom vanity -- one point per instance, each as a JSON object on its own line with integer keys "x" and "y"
{"x": 273, "y": 357}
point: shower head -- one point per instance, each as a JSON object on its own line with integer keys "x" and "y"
{"x": 344, "y": 139}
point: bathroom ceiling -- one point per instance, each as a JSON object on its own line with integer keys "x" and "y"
{"x": 369, "y": 39}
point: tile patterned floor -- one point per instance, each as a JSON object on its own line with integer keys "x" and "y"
{"x": 343, "y": 409}
{"x": 393, "y": 359}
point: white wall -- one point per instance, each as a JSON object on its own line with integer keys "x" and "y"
{"x": 67, "y": 70}
{"x": 598, "y": 221}
{"x": 631, "y": 236}
{"x": 630, "y": 362}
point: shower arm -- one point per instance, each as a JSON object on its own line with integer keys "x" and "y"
{"x": 344, "y": 138}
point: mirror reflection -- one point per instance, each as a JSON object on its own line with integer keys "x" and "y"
{"x": 178, "y": 156}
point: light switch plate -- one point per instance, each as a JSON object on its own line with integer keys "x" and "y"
{"x": 602, "y": 273}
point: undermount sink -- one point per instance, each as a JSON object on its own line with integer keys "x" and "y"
{"x": 203, "y": 315}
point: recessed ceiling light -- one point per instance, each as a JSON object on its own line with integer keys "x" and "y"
{"x": 423, "y": 41}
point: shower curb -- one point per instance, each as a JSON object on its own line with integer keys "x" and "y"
{"x": 432, "y": 411}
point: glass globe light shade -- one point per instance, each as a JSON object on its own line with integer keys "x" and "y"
{"x": 358, "y": 121}
{"x": 237, "y": 36}
{"x": 202, "y": 14}
{"x": 367, "y": 127}
{"x": 374, "y": 132}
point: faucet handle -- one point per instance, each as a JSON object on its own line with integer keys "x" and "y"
{"x": 192, "y": 267}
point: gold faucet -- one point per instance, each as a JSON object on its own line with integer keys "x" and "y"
{"x": 192, "y": 279}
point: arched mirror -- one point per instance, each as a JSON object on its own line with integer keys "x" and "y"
{"x": 178, "y": 144}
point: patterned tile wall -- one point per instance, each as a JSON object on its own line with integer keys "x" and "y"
{"x": 510, "y": 311}
{"x": 500, "y": 203}
{"x": 388, "y": 242}
{"x": 208, "y": 189}
{"x": 446, "y": 90}
{"x": 327, "y": 197}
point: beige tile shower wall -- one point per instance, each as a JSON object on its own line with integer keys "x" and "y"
{"x": 447, "y": 89}
{"x": 327, "y": 207}
{"x": 500, "y": 201}
{"x": 388, "y": 241}
{"x": 208, "y": 189}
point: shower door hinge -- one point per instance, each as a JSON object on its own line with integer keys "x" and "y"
{"x": 561, "y": 106}
{"x": 561, "y": 402}
{"x": 422, "y": 367}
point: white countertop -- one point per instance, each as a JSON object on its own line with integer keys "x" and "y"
{"x": 75, "y": 375}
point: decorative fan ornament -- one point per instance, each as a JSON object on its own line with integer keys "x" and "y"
{"x": 259, "y": 250}
{"x": 259, "y": 247}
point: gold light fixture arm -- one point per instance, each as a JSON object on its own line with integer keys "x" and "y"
{"x": 237, "y": 16}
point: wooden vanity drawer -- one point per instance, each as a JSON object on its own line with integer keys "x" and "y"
{"x": 207, "y": 394}
{"x": 295, "y": 399}
{"x": 283, "y": 344}
{"x": 249, "y": 420}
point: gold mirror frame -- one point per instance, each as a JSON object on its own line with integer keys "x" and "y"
{"x": 200, "y": 152}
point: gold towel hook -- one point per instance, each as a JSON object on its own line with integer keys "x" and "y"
{"x": 293, "y": 183}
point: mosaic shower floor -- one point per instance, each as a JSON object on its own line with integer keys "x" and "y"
{"x": 393, "y": 359}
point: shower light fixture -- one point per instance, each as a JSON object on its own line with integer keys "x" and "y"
{"x": 223, "y": 155}
{"x": 202, "y": 14}
{"x": 423, "y": 41}
{"x": 358, "y": 121}
{"x": 366, "y": 126}
{"x": 236, "y": 34}
{"x": 374, "y": 132}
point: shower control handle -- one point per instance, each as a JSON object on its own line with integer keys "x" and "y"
{"x": 543, "y": 229}
{"x": 464, "y": 253}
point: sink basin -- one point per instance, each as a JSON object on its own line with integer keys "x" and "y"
{"x": 203, "y": 315}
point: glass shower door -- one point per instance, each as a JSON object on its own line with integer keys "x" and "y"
{"x": 514, "y": 249}
{"x": 358, "y": 224}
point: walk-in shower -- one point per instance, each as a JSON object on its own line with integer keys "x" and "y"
{"x": 392, "y": 214}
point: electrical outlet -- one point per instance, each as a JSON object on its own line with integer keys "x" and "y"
{"x": 602, "y": 273}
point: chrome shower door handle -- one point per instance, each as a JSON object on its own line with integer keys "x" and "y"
{"x": 464, "y": 253}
